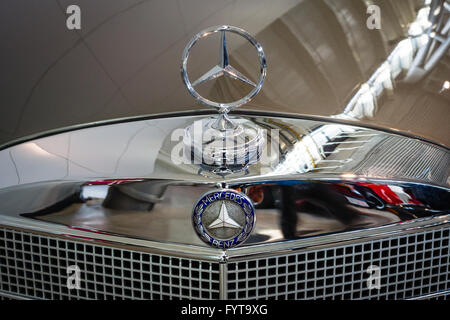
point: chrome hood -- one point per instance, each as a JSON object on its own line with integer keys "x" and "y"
{"x": 322, "y": 61}
{"x": 124, "y": 183}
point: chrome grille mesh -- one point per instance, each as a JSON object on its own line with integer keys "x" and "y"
{"x": 36, "y": 266}
{"x": 411, "y": 265}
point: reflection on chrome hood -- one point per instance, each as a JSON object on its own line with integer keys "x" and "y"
{"x": 121, "y": 180}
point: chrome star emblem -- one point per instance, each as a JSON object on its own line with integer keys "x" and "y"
{"x": 224, "y": 220}
{"x": 223, "y": 68}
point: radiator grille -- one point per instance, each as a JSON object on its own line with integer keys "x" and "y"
{"x": 36, "y": 266}
{"x": 411, "y": 265}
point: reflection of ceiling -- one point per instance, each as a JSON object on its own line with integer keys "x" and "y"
{"x": 125, "y": 59}
{"x": 153, "y": 149}
{"x": 86, "y": 153}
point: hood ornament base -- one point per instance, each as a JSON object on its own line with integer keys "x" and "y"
{"x": 231, "y": 148}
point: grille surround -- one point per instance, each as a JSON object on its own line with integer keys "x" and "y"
{"x": 206, "y": 279}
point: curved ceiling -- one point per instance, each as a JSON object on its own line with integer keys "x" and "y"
{"x": 125, "y": 60}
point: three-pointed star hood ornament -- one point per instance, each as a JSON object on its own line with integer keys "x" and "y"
{"x": 227, "y": 143}
{"x": 223, "y": 68}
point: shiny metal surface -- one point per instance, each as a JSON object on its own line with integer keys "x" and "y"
{"x": 435, "y": 296}
{"x": 120, "y": 64}
{"x": 151, "y": 149}
{"x": 324, "y": 178}
{"x": 8, "y": 296}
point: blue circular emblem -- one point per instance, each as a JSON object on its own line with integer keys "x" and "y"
{"x": 224, "y": 218}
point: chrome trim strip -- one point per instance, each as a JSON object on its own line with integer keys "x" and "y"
{"x": 432, "y": 295}
{"x": 223, "y": 280}
{"x": 14, "y": 296}
{"x": 234, "y": 254}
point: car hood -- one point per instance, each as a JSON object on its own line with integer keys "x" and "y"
{"x": 322, "y": 60}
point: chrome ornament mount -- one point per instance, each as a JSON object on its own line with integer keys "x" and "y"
{"x": 224, "y": 218}
{"x": 223, "y": 142}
